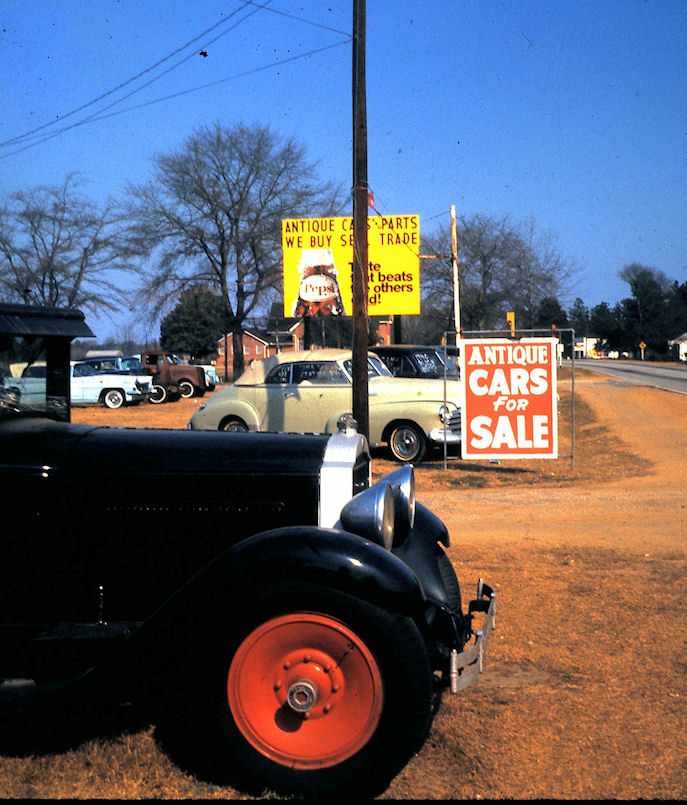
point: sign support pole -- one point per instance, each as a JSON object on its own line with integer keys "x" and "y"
{"x": 456, "y": 285}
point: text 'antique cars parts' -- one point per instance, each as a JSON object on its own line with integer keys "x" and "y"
{"x": 288, "y": 625}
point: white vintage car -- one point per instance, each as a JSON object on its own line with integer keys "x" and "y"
{"x": 111, "y": 390}
{"x": 86, "y": 385}
{"x": 307, "y": 392}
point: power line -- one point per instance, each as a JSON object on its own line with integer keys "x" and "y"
{"x": 97, "y": 116}
{"x": 33, "y": 137}
{"x": 28, "y": 135}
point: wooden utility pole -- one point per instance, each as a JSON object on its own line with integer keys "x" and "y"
{"x": 360, "y": 190}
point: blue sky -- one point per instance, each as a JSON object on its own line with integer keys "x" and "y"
{"x": 571, "y": 113}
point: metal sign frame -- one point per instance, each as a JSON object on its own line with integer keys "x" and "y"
{"x": 565, "y": 335}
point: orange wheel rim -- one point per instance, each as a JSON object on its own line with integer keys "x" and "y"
{"x": 305, "y": 691}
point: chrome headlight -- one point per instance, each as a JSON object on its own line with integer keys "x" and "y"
{"x": 370, "y": 514}
{"x": 444, "y": 413}
{"x": 402, "y": 485}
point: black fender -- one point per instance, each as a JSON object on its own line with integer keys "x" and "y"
{"x": 421, "y": 550}
{"x": 322, "y": 556}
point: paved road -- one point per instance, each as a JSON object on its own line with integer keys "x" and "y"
{"x": 667, "y": 376}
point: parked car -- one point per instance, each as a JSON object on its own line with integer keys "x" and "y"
{"x": 308, "y": 392}
{"x": 87, "y": 386}
{"x": 168, "y": 368}
{"x": 163, "y": 389}
{"x": 283, "y": 620}
{"x": 211, "y": 376}
{"x": 110, "y": 390}
{"x": 412, "y": 360}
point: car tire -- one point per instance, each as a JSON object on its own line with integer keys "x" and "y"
{"x": 113, "y": 398}
{"x": 158, "y": 394}
{"x": 233, "y": 424}
{"x": 312, "y": 692}
{"x": 186, "y": 389}
{"x": 407, "y": 443}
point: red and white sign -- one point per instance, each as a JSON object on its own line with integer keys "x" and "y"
{"x": 509, "y": 398}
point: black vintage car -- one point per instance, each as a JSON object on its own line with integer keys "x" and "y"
{"x": 285, "y": 620}
{"x": 413, "y": 360}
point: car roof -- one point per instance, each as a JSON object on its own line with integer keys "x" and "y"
{"x": 401, "y": 347}
{"x": 260, "y": 368}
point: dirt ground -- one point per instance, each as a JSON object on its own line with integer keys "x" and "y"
{"x": 584, "y": 690}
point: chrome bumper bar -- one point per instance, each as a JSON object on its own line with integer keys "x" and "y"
{"x": 466, "y": 666}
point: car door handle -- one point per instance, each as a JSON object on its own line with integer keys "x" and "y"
{"x": 288, "y": 394}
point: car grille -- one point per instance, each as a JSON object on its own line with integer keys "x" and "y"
{"x": 454, "y": 421}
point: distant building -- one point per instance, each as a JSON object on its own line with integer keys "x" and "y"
{"x": 283, "y": 334}
{"x": 678, "y": 347}
{"x": 586, "y": 347}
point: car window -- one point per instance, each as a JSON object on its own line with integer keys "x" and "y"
{"x": 23, "y": 381}
{"x": 371, "y": 370}
{"x": 393, "y": 363}
{"x": 131, "y": 363}
{"x": 83, "y": 370}
{"x": 428, "y": 362}
{"x": 317, "y": 372}
{"x": 378, "y": 366}
{"x": 34, "y": 371}
{"x": 280, "y": 374}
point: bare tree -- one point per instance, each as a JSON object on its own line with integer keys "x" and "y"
{"x": 502, "y": 267}
{"x": 58, "y": 248}
{"x": 212, "y": 215}
{"x": 542, "y": 273}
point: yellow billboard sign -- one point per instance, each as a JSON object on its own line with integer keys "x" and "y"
{"x": 318, "y": 264}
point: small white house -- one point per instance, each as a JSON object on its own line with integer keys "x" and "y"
{"x": 585, "y": 346}
{"x": 679, "y": 347}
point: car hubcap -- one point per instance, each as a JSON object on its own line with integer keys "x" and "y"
{"x": 305, "y": 691}
{"x": 405, "y": 443}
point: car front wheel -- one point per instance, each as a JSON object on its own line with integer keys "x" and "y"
{"x": 158, "y": 394}
{"x": 186, "y": 389}
{"x": 407, "y": 443}
{"x": 113, "y": 398}
{"x": 234, "y": 425}
{"x": 311, "y": 697}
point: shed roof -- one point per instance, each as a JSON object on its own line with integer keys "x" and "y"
{"x": 34, "y": 320}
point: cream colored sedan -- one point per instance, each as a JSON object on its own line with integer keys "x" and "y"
{"x": 307, "y": 392}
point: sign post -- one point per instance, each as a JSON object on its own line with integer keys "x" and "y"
{"x": 509, "y": 398}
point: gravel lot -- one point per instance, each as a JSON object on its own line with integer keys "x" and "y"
{"x": 584, "y": 690}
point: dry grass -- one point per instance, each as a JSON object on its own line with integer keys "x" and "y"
{"x": 585, "y": 684}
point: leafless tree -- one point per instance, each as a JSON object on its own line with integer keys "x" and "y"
{"x": 502, "y": 266}
{"x": 59, "y": 249}
{"x": 212, "y": 215}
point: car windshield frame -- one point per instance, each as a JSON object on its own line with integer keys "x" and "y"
{"x": 375, "y": 368}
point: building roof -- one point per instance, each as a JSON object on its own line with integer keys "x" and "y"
{"x": 35, "y": 320}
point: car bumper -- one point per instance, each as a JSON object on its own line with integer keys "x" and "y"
{"x": 465, "y": 666}
{"x": 137, "y": 396}
{"x": 441, "y": 435}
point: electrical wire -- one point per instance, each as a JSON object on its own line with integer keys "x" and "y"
{"x": 60, "y": 118}
{"x": 33, "y": 138}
